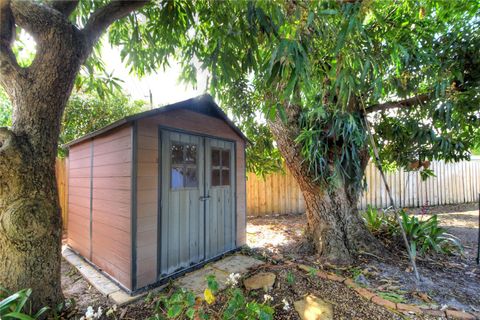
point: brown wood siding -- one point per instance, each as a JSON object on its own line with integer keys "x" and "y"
{"x": 79, "y": 198}
{"x": 147, "y": 180}
{"x": 111, "y": 201}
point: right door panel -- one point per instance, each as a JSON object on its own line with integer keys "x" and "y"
{"x": 220, "y": 228}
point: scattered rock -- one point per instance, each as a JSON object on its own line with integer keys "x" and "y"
{"x": 313, "y": 308}
{"x": 262, "y": 280}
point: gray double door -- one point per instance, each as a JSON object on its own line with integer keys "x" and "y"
{"x": 197, "y": 200}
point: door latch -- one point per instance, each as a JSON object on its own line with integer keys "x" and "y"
{"x": 204, "y": 198}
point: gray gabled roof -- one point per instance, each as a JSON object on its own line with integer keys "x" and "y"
{"x": 202, "y": 104}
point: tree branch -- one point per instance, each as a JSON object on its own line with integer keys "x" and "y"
{"x": 407, "y": 103}
{"x": 105, "y": 16}
{"x": 8, "y": 62}
{"x": 65, "y": 7}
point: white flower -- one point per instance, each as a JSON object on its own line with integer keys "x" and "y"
{"x": 267, "y": 298}
{"x": 90, "y": 314}
{"x": 286, "y": 305}
{"x": 232, "y": 279}
{"x": 99, "y": 313}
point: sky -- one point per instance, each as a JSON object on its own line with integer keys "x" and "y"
{"x": 164, "y": 85}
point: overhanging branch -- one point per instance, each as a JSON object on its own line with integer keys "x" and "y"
{"x": 105, "y": 16}
{"x": 406, "y": 103}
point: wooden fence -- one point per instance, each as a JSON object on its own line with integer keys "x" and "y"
{"x": 279, "y": 193}
{"x": 61, "y": 172}
{"x": 454, "y": 183}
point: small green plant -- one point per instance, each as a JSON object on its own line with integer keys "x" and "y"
{"x": 182, "y": 304}
{"x": 290, "y": 278}
{"x": 374, "y": 219}
{"x": 427, "y": 235}
{"x": 392, "y": 296}
{"x": 13, "y": 306}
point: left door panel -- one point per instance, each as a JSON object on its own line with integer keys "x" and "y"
{"x": 182, "y": 209}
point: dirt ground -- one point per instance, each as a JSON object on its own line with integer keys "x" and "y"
{"x": 452, "y": 281}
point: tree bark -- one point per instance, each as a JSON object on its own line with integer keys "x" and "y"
{"x": 30, "y": 219}
{"x": 333, "y": 222}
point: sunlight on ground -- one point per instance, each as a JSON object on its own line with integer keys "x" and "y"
{"x": 272, "y": 236}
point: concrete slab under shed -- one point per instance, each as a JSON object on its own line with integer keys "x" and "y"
{"x": 193, "y": 281}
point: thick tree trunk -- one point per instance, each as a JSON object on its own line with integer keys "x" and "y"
{"x": 30, "y": 221}
{"x": 334, "y": 225}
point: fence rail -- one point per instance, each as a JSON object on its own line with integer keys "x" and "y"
{"x": 454, "y": 183}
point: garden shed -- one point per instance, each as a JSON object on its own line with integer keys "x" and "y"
{"x": 158, "y": 193}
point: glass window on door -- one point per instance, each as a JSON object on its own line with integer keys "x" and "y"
{"x": 184, "y": 173}
{"x": 220, "y": 167}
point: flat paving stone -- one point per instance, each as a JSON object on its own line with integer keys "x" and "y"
{"x": 194, "y": 281}
{"x": 237, "y": 263}
{"x": 100, "y": 282}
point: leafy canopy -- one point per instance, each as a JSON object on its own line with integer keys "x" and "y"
{"x": 323, "y": 67}
{"x": 85, "y": 112}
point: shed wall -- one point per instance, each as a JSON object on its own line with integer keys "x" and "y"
{"x": 79, "y": 198}
{"x": 147, "y": 181}
{"x": 112, "y": 203}
{"x": 101, "y": 179}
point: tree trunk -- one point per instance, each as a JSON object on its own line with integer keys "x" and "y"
{"x": 334, "y": 225}
{"x": 30, "y": 221}
{"x": 30, "y": 218}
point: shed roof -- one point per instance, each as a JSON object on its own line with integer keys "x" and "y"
{"x": 202, "y": 104}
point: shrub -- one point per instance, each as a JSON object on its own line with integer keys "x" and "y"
{"x": 427, "y": 235}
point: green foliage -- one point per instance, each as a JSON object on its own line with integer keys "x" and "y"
{"x": 328, "y": 60}
{"x": 84, "y": 113}
{"x": 5, "y": 110}
{"x": 374, "y": 219}
{"x": 427, "y": 235}
{"x": 182, "y": 305}
{"x": 423, "y": 235}
{"x": 15, "y": 306}
{"x": 87, "y": 113}
{"x": 239, "y": 308}
{"x": 392, "y": 296}
{"x": 290, "y": 278}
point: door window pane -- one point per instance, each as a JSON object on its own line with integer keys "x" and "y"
{"x": 191, "y": 180}
{"x": 183, "y": 165}
{"x": 220, "y": 167}
{"x": 215, "y": 157}
{"x": 190, "y": 153}
{"x": 226, "y": 159}
{"x": 225, "y": 177}
{"x": 177, "y": 154}
{"x": 177, "y": 177}
{"x": 215, "y": 177}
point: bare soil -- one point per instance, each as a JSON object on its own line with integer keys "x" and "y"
{"x": 446, "y": 280}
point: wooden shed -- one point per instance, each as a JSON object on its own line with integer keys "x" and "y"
{"x": 158, "y": 193}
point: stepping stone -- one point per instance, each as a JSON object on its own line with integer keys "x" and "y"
{"x": 313, "y": 308}
{"x": 262, "y": 280}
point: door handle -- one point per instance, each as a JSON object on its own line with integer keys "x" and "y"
{"x": 204, "y": 198}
